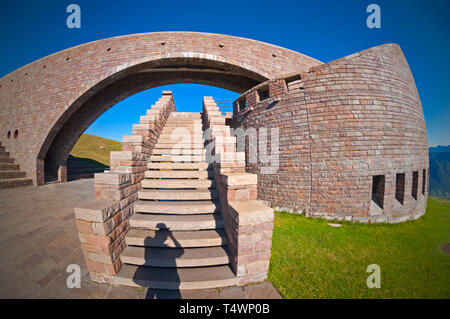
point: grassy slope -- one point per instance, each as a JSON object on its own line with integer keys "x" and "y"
{"x": 311, "y": 259}
{"x": 95, "y": 148}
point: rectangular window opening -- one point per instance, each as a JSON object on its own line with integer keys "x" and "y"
{"x": 415, "y": 184}
{"x": 242, "y": 104}
{"x": 400, "y": 187}
{"x": 378, "y": 190}
{"x": 424, "y": 181}
{"x": 294, "y": 83}
{"x": 263, "y": 93}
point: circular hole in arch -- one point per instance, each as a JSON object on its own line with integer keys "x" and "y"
{"x": 221, "y": 45}
{"x": 12, "y": 80}
{"x": 26, "y": 73}
{"x": 274, "y": 55}
{"x": 67, "y": 59}
{"x": 9, "y": 134}
{"x": 163, "y": 43}
{"x": 44, "y": 66}
{"x": 16, "y": 133}
{"x": 108, "y": 49}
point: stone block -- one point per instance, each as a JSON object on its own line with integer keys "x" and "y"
{"x": 112, "y": 178}
{"x": 251, "y": 212}
{"x": 97, "y": 210}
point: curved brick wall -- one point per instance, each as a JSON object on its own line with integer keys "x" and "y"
{"x": 340, "y": 125}
{"x": 53, "y": 100}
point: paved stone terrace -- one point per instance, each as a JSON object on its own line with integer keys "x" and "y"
{"x": 38, "y": 239}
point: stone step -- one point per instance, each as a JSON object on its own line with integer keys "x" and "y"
{"x": 179, "y": 166}
{"x": 180, "y": 174}
{"x": 9, "y": 167}
{"x": 176, "y": 207}
{"x": 178, "y": 194}
{"x": 11, "y": 174}
{"x": 179, "y": 145}
{"x": 178, "y": 183}
{"x": 185, "y": 115}
{"x": 175, "y": 257}
{"x": 181, "y": 140}
{"x": 176, "y": 279}
{"x": 183, "y": 120}
{"x": 192, "y": 130}
{"x": 15, "y": 182}
{"x": 6, "y": 160}
{"x": 177, "y": 136}
{"x": 167, "y": 238}
{"x": 177, "y": 158}
{"x": 4, "y": 154}
{"x": 179, "y": 151}
{"x": 2, "y": 149}
{"x": 176, "y": 222}
{"x": 184, "y": 123}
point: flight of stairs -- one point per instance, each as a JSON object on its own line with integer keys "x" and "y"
{"x": 176, "y": 238}
{"x": 10, "y": 173}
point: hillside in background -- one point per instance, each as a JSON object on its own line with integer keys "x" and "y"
{"x": 440, "y": 172}
{"x": 95, "y": 148}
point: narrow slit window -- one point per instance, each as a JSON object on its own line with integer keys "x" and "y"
{"x": 378, "y": 190}
{"x": 415, "y": 184}
{"x": 424, "y": 181}
{"x": 400, "y": 187}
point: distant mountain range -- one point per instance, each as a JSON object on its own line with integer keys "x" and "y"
{"x": 440, "y": 171}
{"x": 440, "y": 149}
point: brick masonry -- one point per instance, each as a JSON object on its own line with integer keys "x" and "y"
{"x": 103, "y": 223}
{"x": 248, "y": 222}
{"x": 342, "y": 123}
{"x": 51, "y": 101}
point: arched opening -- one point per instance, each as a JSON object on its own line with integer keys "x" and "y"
{"x": 91, "y": 152}
{"x": 101, "y": 97}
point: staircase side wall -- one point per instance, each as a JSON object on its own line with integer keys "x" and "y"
{"x": 248, "y": 223}
{"x": 103, "y": 222}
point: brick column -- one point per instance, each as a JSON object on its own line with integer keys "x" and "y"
{"x": 277, "y": 87}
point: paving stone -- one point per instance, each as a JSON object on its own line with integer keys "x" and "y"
{"x": 264, "y": 290}
{"x": 123, "y": 293}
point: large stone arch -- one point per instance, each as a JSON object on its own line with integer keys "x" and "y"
{"x": 53, "y": 100}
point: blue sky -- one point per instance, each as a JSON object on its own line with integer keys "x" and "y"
{"x": 325, "y": 30}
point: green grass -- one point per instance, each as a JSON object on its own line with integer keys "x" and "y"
{"x": 95, "y": 148}
{"x": 311, "y": 259}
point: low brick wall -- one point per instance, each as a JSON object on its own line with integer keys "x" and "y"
{"x": 248, "y": 222}
{"x": 103, "y": 222}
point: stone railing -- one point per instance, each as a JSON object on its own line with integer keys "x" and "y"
{"x": 248, "y": 222}
{"x": 103, "y": 222}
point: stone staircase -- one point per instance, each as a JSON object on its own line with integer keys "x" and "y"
{"x": 10, "y": 173}
{"x": 176, "y": 238}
